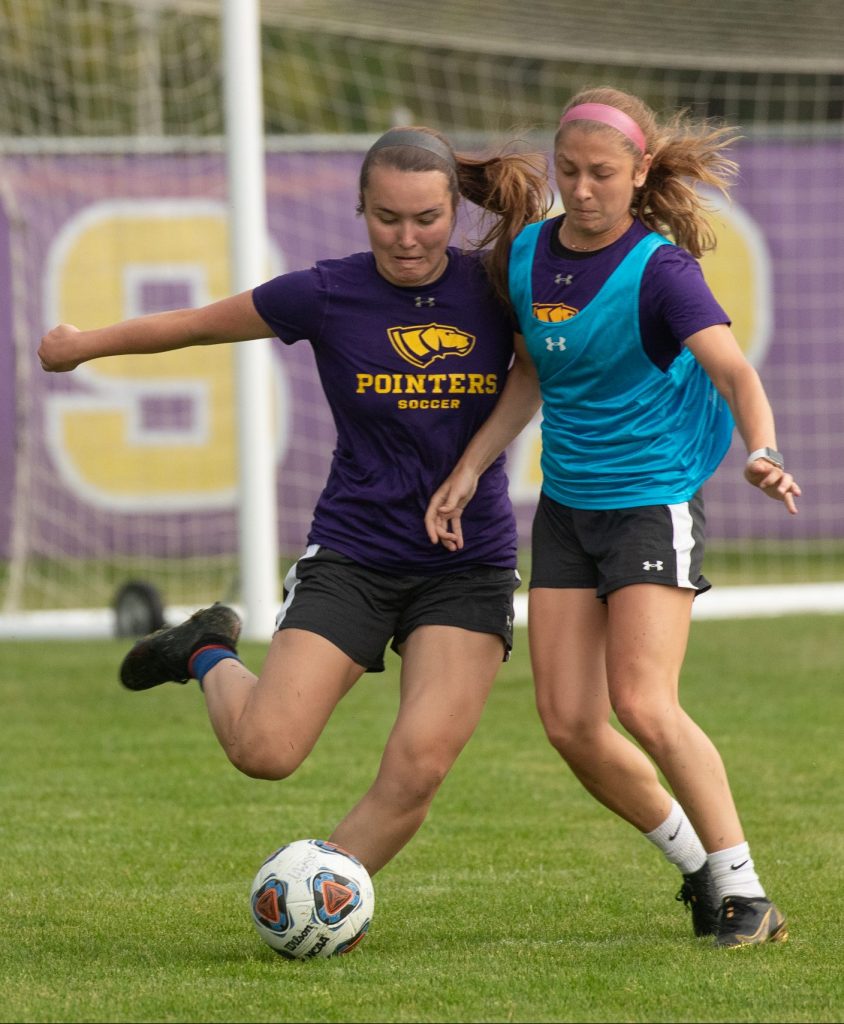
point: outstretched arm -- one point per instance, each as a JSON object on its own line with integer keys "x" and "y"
{"x": 718, "y": 352}
{"x": 232, "y": 319}
{"x": 513, "y": 411}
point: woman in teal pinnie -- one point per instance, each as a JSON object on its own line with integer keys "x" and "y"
{"x": 642, "y": 383}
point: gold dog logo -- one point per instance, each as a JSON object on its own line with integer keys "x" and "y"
{"x": 422, "y": 345}
{"x": 552, "y": 312}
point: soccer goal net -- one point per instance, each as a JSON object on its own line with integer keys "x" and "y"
{"x": 113, "y": 203}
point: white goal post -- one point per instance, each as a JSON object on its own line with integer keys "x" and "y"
{"x": 257, "y": 520}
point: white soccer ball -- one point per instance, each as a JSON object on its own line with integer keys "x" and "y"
{"x": 312, "y": 898}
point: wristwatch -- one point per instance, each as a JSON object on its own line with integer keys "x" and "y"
{"x": 770, "y": 454}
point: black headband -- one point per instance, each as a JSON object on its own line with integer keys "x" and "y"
{"x": 421, "y": 140}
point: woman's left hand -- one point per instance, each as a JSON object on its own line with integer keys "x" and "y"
{"x": 775, "y": 482}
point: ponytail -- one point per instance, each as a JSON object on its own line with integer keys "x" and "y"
{"x": 513, "y": 188}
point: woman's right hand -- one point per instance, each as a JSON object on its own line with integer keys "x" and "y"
{"x": 59, "y": 351}
{"x": 442, "y": 518}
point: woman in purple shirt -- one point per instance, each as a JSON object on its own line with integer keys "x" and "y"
{"x": 413, "y": 341}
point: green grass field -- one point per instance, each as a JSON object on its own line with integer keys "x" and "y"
{"x": 129, "y": 843}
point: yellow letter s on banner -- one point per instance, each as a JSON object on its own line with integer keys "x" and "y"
{"x": 152, "y": 432}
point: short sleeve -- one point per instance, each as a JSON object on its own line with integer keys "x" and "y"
{"x": 291, "y": 304}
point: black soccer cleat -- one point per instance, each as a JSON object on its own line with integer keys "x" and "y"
{"x": 699, "y": 894}
{"x": 162, "y": 656}
{"x": 749, "y": 922}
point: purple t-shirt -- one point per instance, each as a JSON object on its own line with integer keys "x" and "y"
{"x": 675, "y": 300}
{"x": 410, "y": 374}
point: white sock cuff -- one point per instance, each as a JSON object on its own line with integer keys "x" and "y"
{"x": 676, "y": 814}
{"x": 678, "y": 840}
{"x": 733, "y": 854}
{"x": 734, "y": 872}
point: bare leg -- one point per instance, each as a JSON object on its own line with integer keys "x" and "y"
{"x": 447, "y": 674}
{"x": 647, "y": 638}
{"x": 268, "y": 724}
{"x": 567, "y": 641}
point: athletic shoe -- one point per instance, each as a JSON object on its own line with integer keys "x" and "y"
{"x": 163, "y": 656}
{"x": 749, "y": 922}
{"x": 699, "y": 894}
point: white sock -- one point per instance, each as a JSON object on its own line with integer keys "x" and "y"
{"x": 734, "y": 874}
{"x": 678, "y": 840}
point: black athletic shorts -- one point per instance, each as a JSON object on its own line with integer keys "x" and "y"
{"x": 609, "y": 549}
{"x": 361, "y": 610}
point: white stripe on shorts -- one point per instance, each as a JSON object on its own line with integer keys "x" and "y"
{"x": 291, "y": 581}
{"x": 683, "y": 542}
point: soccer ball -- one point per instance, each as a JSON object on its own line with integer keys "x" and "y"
{"x": 312, "y": 898}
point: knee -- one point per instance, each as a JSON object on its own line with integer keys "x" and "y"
{"x": 263, "y": 761}
{"x": 651, "y": 724}
{"x": 414, "y": 777}
{"x": 425, "y": 777}
{"x": 571, "y": 735}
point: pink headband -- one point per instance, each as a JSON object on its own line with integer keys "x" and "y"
{"x": 611, "y": 116}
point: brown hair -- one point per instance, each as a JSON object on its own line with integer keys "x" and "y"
{"x": 685, "y": 152}
{"x": 510, "y": 186}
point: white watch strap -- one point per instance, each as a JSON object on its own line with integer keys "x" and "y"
{"x": 766, "y": 453}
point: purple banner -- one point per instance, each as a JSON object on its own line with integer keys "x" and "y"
{"x": 137, "y": 456}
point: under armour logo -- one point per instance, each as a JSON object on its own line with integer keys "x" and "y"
{"x": 647, "y": 566}
{"x": 559, "y": 344}
{"x": 420, "y": 301}
{"x": 563, "y": 279}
